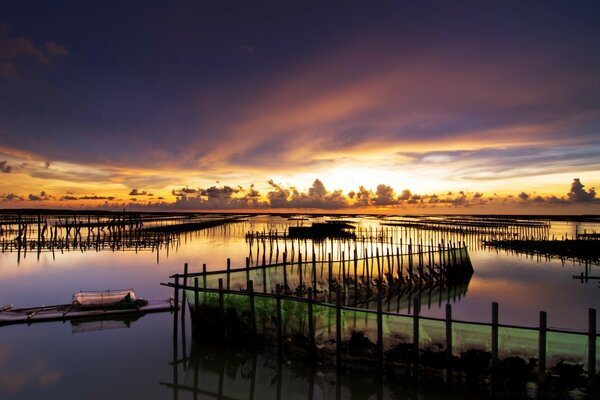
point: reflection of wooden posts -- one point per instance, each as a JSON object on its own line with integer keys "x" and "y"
{"x": 494, "y": 336}
{"x": 415, "y": 349}
{"x": 591, "y": 345}
{"x": 449, "y": 343}
{"x": 542, "y": 349}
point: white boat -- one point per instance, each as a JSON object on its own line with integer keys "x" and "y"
{"x": 97, "y": 304}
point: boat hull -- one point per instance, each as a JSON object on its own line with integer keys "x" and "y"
{"x": 66, "y": 312}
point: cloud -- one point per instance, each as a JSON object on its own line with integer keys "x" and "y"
{"x": 317, "y": 197}
{"x": 216, "y": 198}
{"x": 95, "y": 197}
{"x": 11, "y": 197}
{"x": 4, "y": 167}
{"x": 183, "y": 191}
{"x": 136, "y": 192}
{"x": 43, "y": 196}
{"x": 384, "y": 196}
{"x": 579, "y": 194}
{"x": 14, "y": 51}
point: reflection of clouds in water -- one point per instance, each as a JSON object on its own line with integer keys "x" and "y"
{"x": 36, "y": 373}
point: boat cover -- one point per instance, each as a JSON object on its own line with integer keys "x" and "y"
{"x": 102, "y": 298}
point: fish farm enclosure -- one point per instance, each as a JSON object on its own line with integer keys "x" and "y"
{"x": 318, "y": 306}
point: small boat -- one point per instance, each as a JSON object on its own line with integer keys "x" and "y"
{"x": 97, "y": 304}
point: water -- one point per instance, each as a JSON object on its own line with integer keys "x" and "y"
{"x": 50, "y": 360}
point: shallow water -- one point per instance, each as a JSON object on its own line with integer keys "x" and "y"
{"x": 50, "y": 360}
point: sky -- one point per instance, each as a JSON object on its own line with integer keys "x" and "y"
{"x": 388, "y": 106}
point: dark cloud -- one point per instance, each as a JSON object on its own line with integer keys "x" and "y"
{"x": 41, "y": 197}
{"x": 136, "y": 192}
{"x": 4, "y": 167}
{"x": 579, "y": 194}
{"x": 16, "y": 51}
{"x": 94, "y": 197}
{"x": 216, "y": 198}
{"x": 11, "y": 197}
{"x": 384, "y": 196}
{"x": 183, "y": 191}
{"x": 523, "y": 196}
{"x": 68, "y": 198}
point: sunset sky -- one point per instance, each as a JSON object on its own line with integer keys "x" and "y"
{"x": 382, "y": 106}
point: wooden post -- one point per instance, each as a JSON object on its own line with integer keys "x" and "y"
{"x": 228, "y": 274}
{"x": 278, "y": 319}
{"x": 591, "y": 345}
{"x": 314, "y": 273}
{"x": 204, "y": 276}
{"x": 196, "y": 296}
{"x": 175, "y": 316}
{"x": 494, "y": 335}
{"x": 300, "y": 283}
{"x": 250, "y": 285}
{"x": 329, "y": 262}
{"x": 416, "y": 309}
{"x": 355, "y": 273}
{"x": 379, "y": 332}
{"x": 247, "y": 269}
{"x": 285, "y": 284}
{"x": 221, "y": 305}
{"x": 542, "y": 349}
{"x": 338, "y": 327}
{"x": 311, "y": 321}
{"x": 449, "y": 343}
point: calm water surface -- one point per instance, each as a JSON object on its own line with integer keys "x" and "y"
{"x": 59, "y": 360}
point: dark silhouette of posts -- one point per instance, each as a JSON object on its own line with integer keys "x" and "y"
{"x": 196, "y": 296}
{"x": 449, "y": 342}
{"x": 311, "y": 321}
{"x": 494, "y": 335}
{"x": 228, "y": 274}
{"x": 176, "y": 296}
{"x": 542, "y": 348}
{"x": 221, "y": 305}
{"x": 338, "y": 328}
{"x": 591, "y": 345}
{"x": 416, "y": 309}
{"x": 278, "y": 320}
{"x": 379, "y": 332}
{"x": 285, "y": 284}
{"x": 250, "y": 286}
